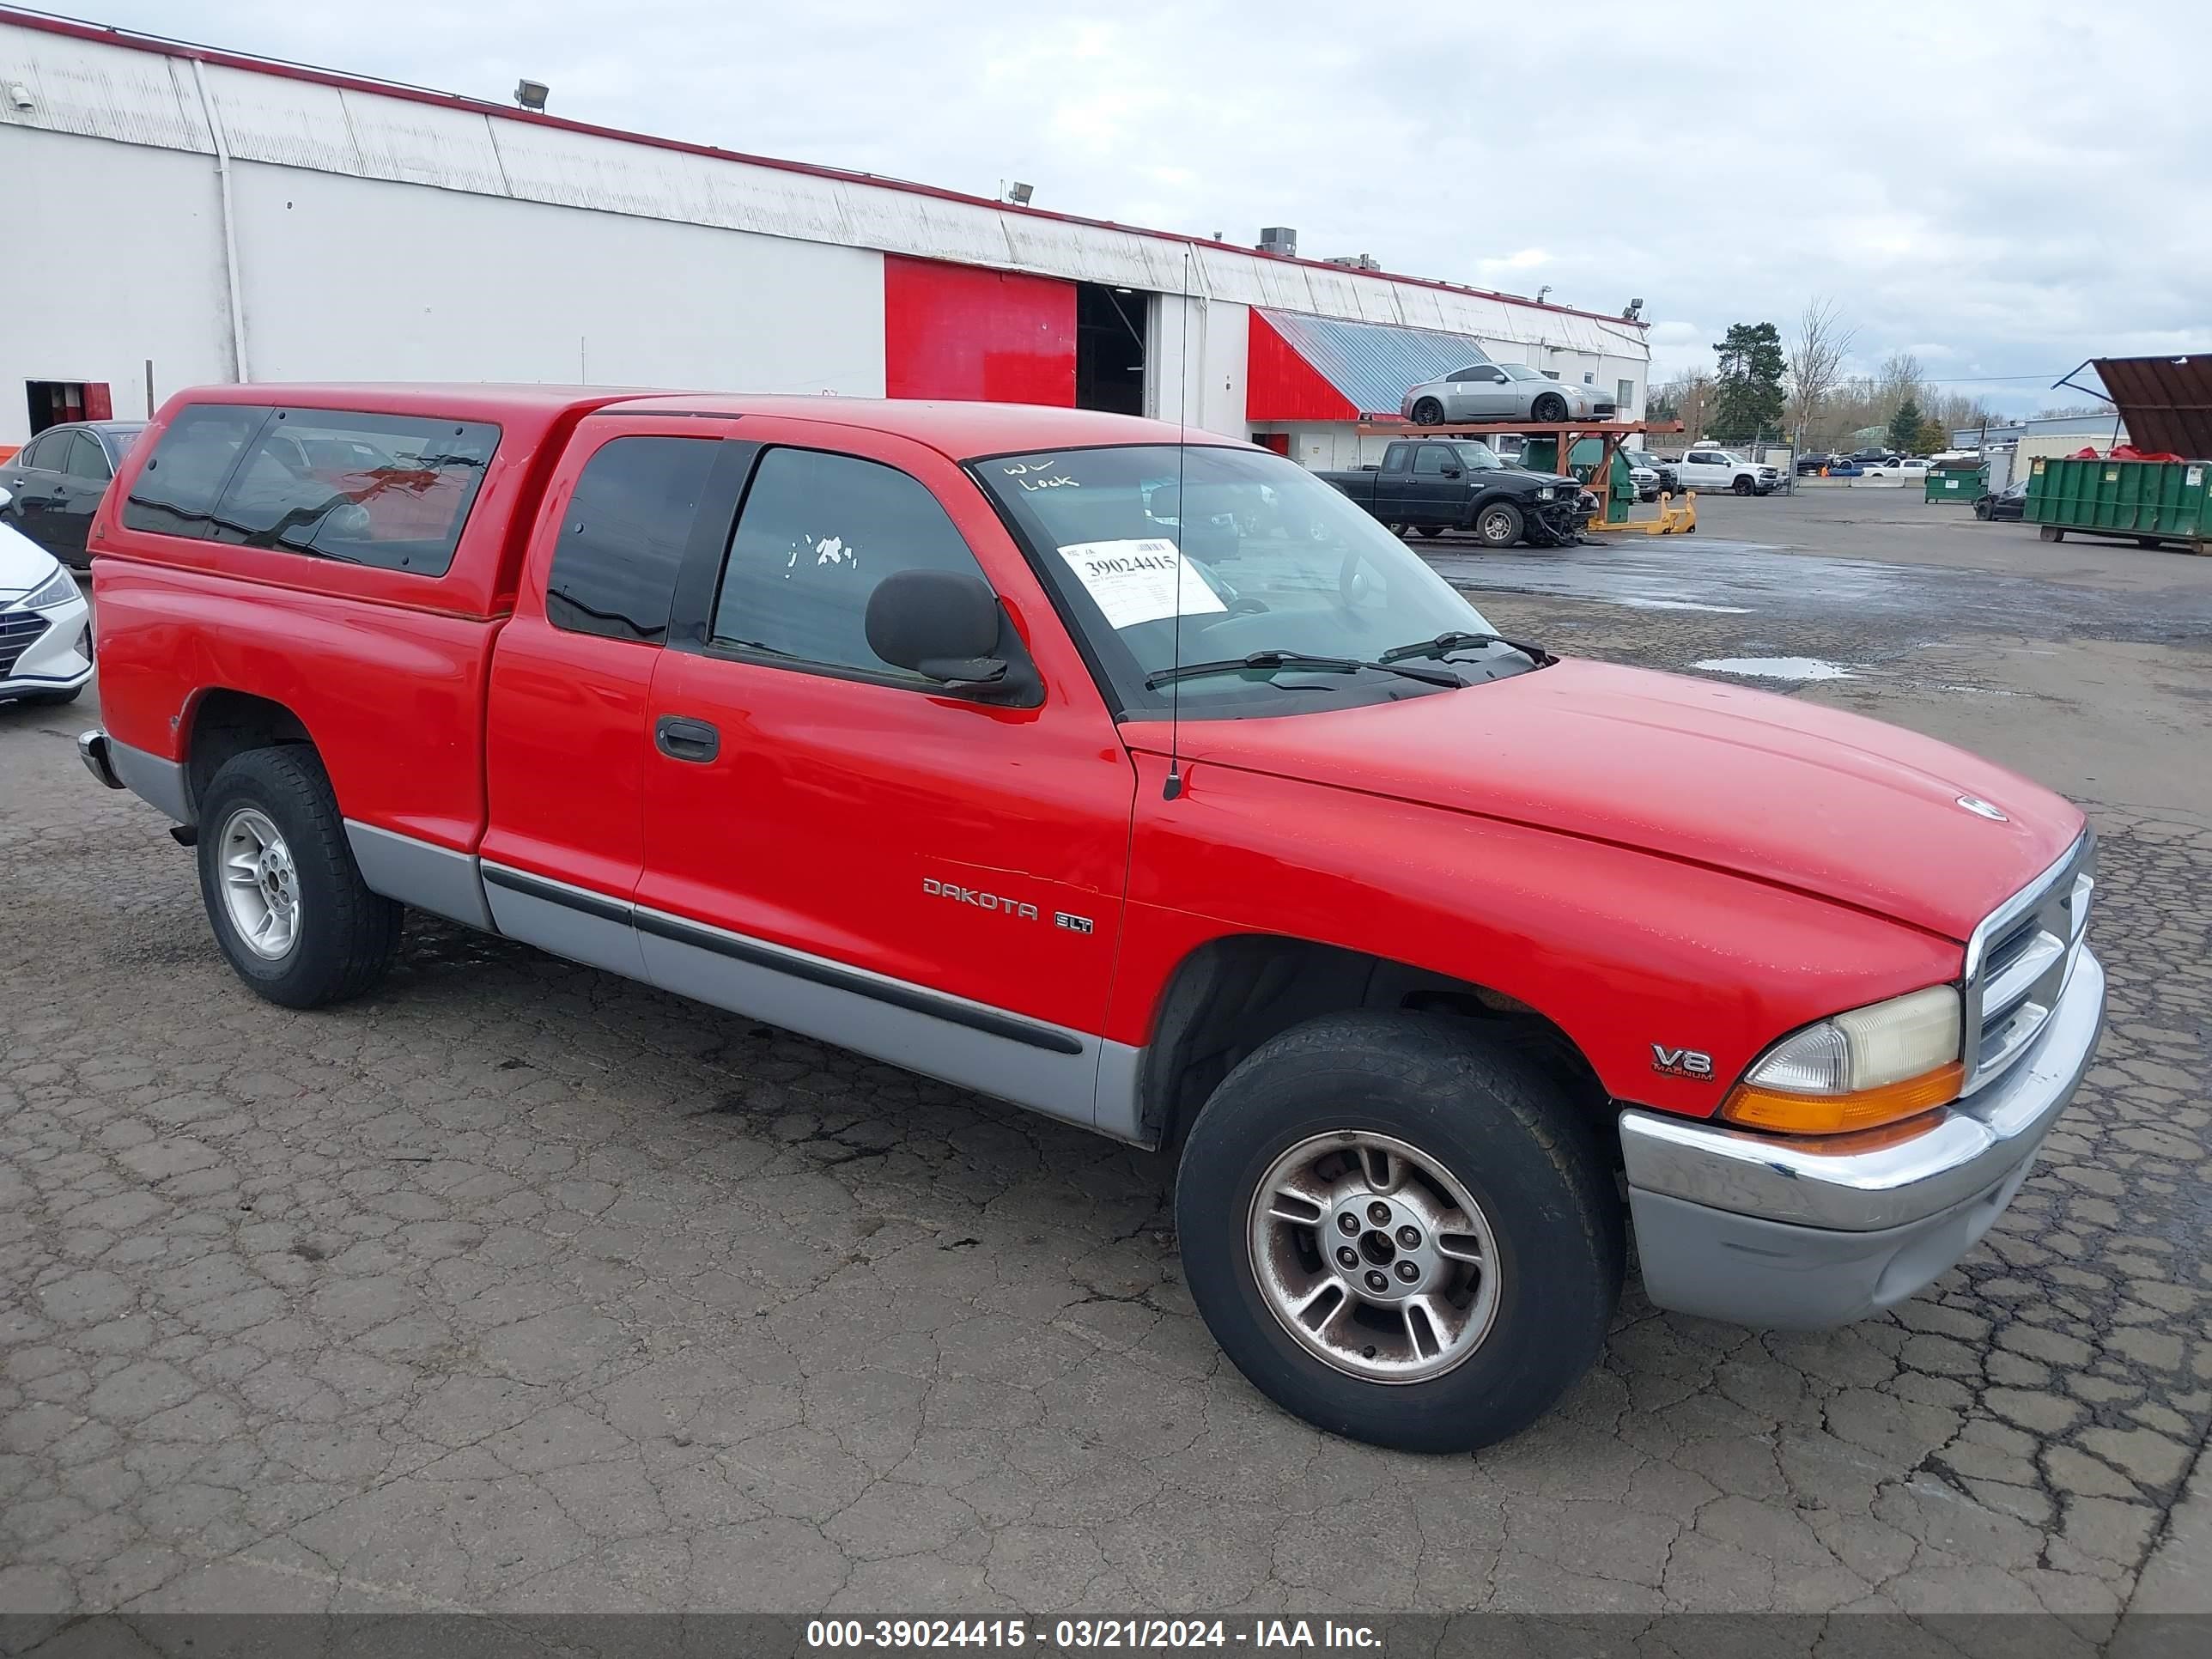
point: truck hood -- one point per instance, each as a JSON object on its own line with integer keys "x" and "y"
{"x": 1829, "y": 804}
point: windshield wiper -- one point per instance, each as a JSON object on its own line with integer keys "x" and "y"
{"x": 1299, "y": 659}
{"x": 1445, "y": 644}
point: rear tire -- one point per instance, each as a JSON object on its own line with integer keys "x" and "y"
{"x": 273, "y": 852}
{"x": 1503, "y": 1306}
{"x": 1547, "y": 407}
{"x": 1428, "y": 412}
{"x": 1498, "y": 524}
{"x": 2051, "y": 533}
{"x": 1431, "y": 530}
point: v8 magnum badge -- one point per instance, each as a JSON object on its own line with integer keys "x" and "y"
{"x": 1681, "y": 1062}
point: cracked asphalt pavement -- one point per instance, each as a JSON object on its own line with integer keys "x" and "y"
{"x": 516, "y": 1287}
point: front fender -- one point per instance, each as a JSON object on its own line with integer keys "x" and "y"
{"x": 1625, "y": 951}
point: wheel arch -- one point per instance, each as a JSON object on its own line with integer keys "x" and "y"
{"x": 220, "y": 722}
{"x": 1231, "y": 994}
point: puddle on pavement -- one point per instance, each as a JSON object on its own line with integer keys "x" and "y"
{"x": 1776, "y": 668}
{"x": 1684, "y": 605}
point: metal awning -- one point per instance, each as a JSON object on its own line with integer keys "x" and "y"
{"x": 2166, "y": 402}
{"x": 1369, "y": 365}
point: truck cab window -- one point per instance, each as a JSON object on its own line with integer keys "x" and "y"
{"x": 622, "y": 537}
{"x": 1399, "y": 458}
{"x": 817, "y": 533}
{"x": 1435, "y": 460}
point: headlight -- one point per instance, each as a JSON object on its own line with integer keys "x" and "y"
{"x": 58, "y": 589}
{"x": 1545, "y": 494}
{"x": 1858, "y": 1071}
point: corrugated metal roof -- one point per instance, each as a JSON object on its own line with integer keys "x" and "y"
{"x": 2166, "y": 402}
{"x": 1372, "y": 364}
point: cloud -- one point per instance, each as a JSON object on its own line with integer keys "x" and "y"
{"x": 1958, "y": 181}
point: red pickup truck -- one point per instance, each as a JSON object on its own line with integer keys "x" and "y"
{"x": 1140, "y": 778}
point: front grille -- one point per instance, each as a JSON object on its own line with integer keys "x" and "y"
{"x": 2019, "y": 960}
{"x": 19, "y": 630}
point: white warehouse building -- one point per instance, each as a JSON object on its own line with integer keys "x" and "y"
{"x": 245, "y": 220}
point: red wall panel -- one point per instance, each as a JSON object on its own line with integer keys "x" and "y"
{"x": 964, "y": 331}
{"x": 1281, "y": 385}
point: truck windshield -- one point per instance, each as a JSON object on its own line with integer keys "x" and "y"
{"x": 1256, "y": 558}
{"x": 1477, "y": 457}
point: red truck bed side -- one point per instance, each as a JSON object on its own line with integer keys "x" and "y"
{"x": 186, "y": 628}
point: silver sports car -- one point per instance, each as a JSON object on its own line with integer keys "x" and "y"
{"x": 1500, "y": 391}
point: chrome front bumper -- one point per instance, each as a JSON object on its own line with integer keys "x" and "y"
{"x": 1804, "y": 1233}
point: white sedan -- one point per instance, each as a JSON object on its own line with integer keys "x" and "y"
{"x": 46, "y": 626}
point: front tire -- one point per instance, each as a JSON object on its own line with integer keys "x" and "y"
{"x": 1401, "y": 1231}
{"x": 283, "y": 893}
{"x": 1549, "y": 407}
{"x": 1498, "y": 524}
{"x": 1428, "y": 412}
{"x": 1744, "y": 486}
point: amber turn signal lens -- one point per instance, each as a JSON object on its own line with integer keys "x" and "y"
{"x": 1786, "y": 1112}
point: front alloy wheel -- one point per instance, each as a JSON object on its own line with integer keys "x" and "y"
{"x": 1374, "y": 1257}
{"x": 1401, "y": 1229}
{"x": 1498, "y": 524}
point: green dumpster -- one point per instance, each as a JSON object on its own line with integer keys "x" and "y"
{"x": 1963, "y": 486}
{"x": 2147, "y": 501}
{"x": 1620, "y": 482}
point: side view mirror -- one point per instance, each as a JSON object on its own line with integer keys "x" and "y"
{"x": 948, "y": 627}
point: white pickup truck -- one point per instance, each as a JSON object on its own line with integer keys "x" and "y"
{"x": 1706, "y": 468}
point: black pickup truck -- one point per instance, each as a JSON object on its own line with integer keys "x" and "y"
{"x": 1436, "y": 484}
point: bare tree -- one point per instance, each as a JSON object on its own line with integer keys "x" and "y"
{"x": 1815, "y": 361}
{"x": 1690, "y": 397}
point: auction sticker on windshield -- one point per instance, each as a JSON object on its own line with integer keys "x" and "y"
{"x": 1140, "y": 581}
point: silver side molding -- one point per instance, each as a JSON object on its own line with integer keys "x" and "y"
{"x": 414, "y": 871}
{"x": 1065, "y": 1073}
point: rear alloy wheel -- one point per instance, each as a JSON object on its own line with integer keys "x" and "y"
{"x": 1401, "y": 1231}
{"x": 1498, "y": 524}
{"x": 1428, "y": 412}
{"x": 283, "y": 892}
{"x": 1549, "y": 407}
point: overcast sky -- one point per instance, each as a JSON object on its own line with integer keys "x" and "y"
{"x": 2004, "y": 190}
